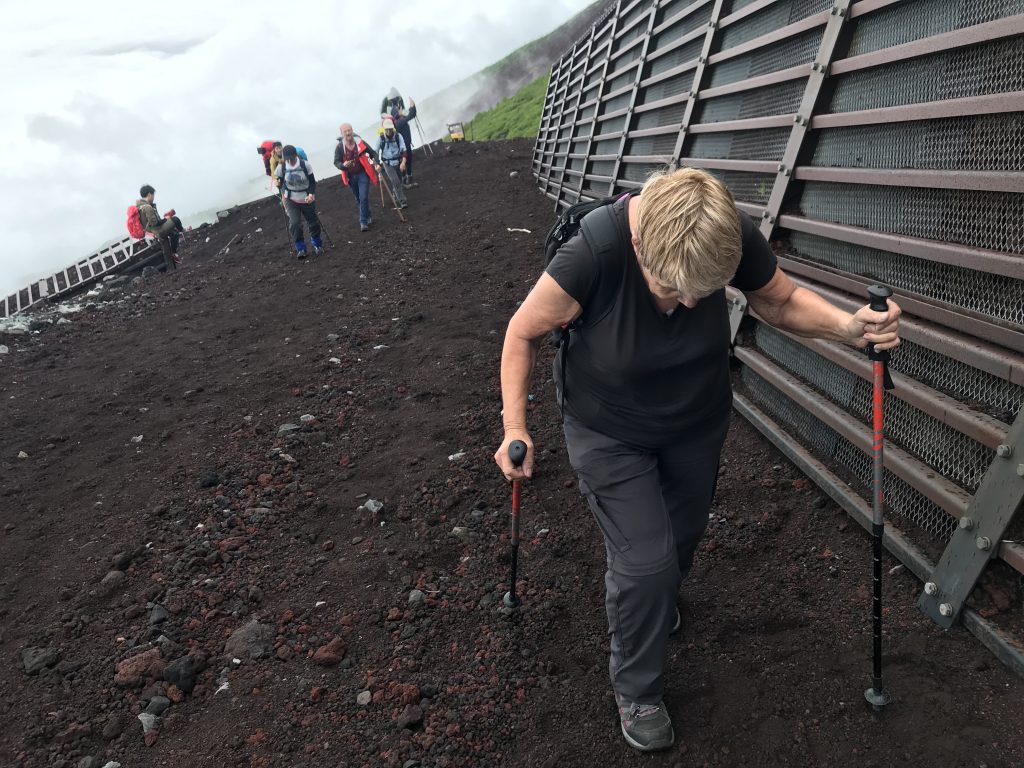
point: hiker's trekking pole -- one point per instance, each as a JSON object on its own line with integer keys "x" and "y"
{"x": 423, "y": 138}
{"x": 516, "y": 452}
{"x": 387, "y": 184}
{"x": 324, "y": 230}
{"x": 876, "y": 695}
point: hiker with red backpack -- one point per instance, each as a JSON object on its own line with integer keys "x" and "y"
{"x": 266, "y": 151}
{"x": 356, "y": 161}
{"x": 297, "y": 183}
{"x": 143, "y": 218}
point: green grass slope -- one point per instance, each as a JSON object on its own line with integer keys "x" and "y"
{"x": 516, "y": 117}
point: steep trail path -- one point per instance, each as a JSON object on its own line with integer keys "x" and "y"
{"x": 140, "y": 569}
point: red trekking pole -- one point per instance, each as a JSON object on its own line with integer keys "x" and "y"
{"x": 517, "y": 453}
{"x": 876, "y": 695}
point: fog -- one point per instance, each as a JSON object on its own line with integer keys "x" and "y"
{"x": 100, "y": 98}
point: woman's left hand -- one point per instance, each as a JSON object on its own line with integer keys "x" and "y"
{"x": 878, "y": 328}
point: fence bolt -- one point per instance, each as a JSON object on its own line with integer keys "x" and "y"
{"x": 946, "y": 609}
{"x": 983, "y": 542}
{"x": 1020, "y": 470}
{"x": 783, "y": 170}
{"x": 966, "y": 523}
{"x": 931, "y": 588}
{"x": 1004, "y": 451}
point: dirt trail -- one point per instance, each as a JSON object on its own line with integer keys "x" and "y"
{"x": 216, "y": 518}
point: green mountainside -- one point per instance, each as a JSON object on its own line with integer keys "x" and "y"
{"x": 525, "y": 69}
{"x": 516, "y": 117}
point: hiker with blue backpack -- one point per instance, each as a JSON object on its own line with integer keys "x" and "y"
{"x": 393, "y": 155}
{"x": 642, "y": 379}
{"x": 297, "y": 183}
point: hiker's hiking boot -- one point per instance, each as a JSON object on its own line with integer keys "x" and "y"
{"x": 176, "y": 259}
{"x": 647, "y": 727}
{"x": 364, "y": 227}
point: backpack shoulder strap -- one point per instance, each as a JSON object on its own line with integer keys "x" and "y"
{"x": 603, "y": 234}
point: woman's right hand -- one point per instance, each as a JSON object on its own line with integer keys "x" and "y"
{"x": 503, "y": 461}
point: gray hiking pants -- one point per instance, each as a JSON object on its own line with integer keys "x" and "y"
{"x": 652, "y": 506}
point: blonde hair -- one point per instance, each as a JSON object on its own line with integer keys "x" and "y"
{"x": 689, "y": 231}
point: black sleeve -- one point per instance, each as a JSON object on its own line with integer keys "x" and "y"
{"x": 312, "y": 180}
{"x": 758, "y": 262}
{"x": 575, "y": 269}
{"x": 339, "y": 156}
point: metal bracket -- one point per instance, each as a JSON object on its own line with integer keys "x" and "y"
{"x": 981, "y": 529}
{"x": 737, "y": 309}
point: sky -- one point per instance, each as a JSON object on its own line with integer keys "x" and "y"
{"x": 102, "y": 97}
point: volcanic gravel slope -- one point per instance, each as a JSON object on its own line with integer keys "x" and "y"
{"x": 216, "y": 518}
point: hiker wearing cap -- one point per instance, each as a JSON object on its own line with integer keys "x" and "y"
{"x": 402, "y": 120}
{"x": 165, "y": 229}
{"x": 393, "y": 157}
{"x": 644, "y": 386}
{"x": 355, "y": 159}
{"x": 298, "y": 187}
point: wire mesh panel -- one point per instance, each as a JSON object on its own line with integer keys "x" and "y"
{"x": 730, "y": 85}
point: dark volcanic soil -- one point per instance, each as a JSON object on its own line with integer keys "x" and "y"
{"x": 216, "y": 518}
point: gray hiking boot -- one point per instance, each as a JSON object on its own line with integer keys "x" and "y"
{"x": 647, "y": 727}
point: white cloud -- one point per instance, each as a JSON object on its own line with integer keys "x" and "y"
{"x": 107, "y": 96}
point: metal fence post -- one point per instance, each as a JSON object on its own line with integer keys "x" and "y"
{"x": 698, "y": 79}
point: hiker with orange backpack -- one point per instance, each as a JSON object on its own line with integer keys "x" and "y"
{"x": 145, "y": 219}
{"x": 356, "y": 160}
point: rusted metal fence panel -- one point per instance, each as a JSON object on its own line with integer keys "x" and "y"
{"x": 876, "y": 141}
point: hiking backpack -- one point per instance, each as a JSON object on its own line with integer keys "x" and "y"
{"x": 134, "y": 223}
{"x": 600, "y": 231}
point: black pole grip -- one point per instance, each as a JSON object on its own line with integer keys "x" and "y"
{"x": 878, "y": 295}
{"x": 517, "y": 452}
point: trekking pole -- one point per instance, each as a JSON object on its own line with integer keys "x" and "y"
{"x": 516, "y": 452}
{"x": 423, "y": 138}
{"x": 387, "y": 184}
{"x": 876, "y": 695}
{"x": 324, "y": 230}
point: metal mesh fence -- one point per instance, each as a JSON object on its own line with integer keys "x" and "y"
{"x": 970, "y": 153}
{"x": 992, "y": 220}
{"x": 974, "y": 143}
{"x": 980, "y": 70}
{"x": 902, "y": 501}
{"x": 917, "y": 19}
{"x": 956, "y": 456}
{"x": 999, "y": 297}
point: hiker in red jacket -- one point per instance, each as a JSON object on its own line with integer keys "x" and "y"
{"x": 355, "y": 159}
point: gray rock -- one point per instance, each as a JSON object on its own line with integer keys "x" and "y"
{"x": 411, "y": 716}
{"x": 121, "y": 561}
{"x": 87, "y": 762}
{"x": 158, "y": 615}
{"x": 3, "y": 349}
{"x": 148, "y": 272}
{"x": 373, "y": 506}
{"x": 112, "y": 764}
{"x": 38, "y": 659}
{"x": 287, "y": 429}
{"x": 416, "y": 597}
{"x": 364, "y": 698}
{"x": 148, "y": 722}
{"x": 250, "y": 641}
{"x": 112, "y": 582}
{"x": 332, "y": 337}
{"x": 209, "y": 480}
{"x": 158, "y": 705}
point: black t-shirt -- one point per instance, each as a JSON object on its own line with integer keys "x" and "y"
{"x": 634, "y": 372}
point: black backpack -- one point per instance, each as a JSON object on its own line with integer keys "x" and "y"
{"x": 600, "y": 231}
{"x": 602, "y": 234}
